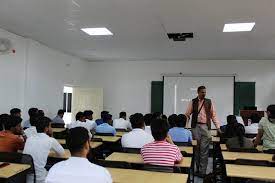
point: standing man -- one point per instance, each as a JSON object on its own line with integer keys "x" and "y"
{"x": 203, "y": 111}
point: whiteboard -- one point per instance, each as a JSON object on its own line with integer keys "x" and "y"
{"x": 180, "y": 90}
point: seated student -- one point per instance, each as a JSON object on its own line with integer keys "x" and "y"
{"x": 81, "y": 121}
{"x": 239, "y": 141}
{"x": 59, "y": 117}
{"x": 147, "y": 119}
{"x": 179, "y": 133}
{"x": 77, "y": 168}
{"x": 266, "y": 131}
{"x": 122, "y": 123}
{"x": 39, "y": 147}
{"x": 170, "y": 153}
{"x": 156, "y": 115}
{"x": 106, "y": 127}
{"x": 32, "y": 113}
{"x": 88, "y": 114}
{"x": 9, "y": 138}
{"x": 15, "y": 112}
{"x": 228, "y": 129}
{"x": 100, "y": 121}
{"x": 172, "y": 120}
{"x": 253, "y": 128}
{"x": 164, "y": 117}
{"x": 31, "y": 131}
{"x": 137, "y": 137}
{"x": 41, "y": 113}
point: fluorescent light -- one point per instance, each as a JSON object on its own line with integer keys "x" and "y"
{"x": 102, "y": 31}
{"x": 238, "y": 27}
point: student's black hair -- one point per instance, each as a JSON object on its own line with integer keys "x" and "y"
{"x": 76, "y": 139}
{"x": 181, "y": 122}
{"x": 103, "y": 113}
{"x": 34, "y": 119}
{"x": 32, "y": 111}
{"x": 137, "y": 120}
{"x": 172, "y": 119}
{"x": 201, "y": 88}
{"x": 12, "y": 122}
{"x": 42, "y": 123}
{"x": 14, "y": 111}
{"x": 148, "y": 119}
{"x": 107, "y": 117}
{"x": 88, "y": 113}
{"x": 271, "y": 110}
{"x": 122, "y": 114}
{"x": 164, "y": 117}
{"x": 255, "y": 118}
{"x": 156, "y": 115}
{"x": 41, "y": 113}
{"x": 60, "y": 111}
{"x": 79, "y": 115}
{"x": 159, "y": 129}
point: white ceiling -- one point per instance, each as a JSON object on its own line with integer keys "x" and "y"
{"x": 140, "y": 27}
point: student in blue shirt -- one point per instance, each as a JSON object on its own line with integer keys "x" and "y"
{"x": 179, "y": 133}
{"x": 106, "y": 127}
{"x": 101, "y": 120}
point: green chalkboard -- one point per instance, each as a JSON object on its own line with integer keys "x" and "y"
{"x": 157, "y": 96}
{"x": 244, "y": 95}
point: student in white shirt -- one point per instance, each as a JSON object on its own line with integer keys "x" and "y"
{"x": 81, "y": 121}
{"x": 33, "y": 112}
{"x": 122, "y": 123}
{"x": 254, "y": 126}
{"x": 39, "y": 147}
{"x": 89, "y": 119}
{"x": 137, "y": 137}
{"x": 77, "y": 168}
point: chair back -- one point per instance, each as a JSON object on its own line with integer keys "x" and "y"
{"x": 131, "y": 150}
{"x": 104, "y": 134}
{"x": 57, "y": 125}
{"x": 251, "y": 162}
{"x": 157, "y": 168}
{"x": 113, "y": 164}
{"x": 249, "y": 150}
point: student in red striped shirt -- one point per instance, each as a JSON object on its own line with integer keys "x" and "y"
{"x": 162, "y": 151}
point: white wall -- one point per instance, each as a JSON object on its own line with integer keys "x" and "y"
{"x": 126, "y": 85}
{"x": 34, "y": 76}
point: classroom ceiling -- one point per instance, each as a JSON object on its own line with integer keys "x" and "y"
{"x": 140, "y": 28}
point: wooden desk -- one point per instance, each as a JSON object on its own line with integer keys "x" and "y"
{"x": 231, "y": 156}
{"x": 138, "y": 176}
{"x": 251, "y": 172}
{"x": 56, "y": 130}
{"x": 136, "y": 158}
{"x": 120, "y": 134}
{"x": 93, "y": 144}
{"x": 224, "y": 148}
{"x": 108, "y": 138}
{"x": 12, "y": 169}
{"x": 187, "y": 149}
{"x": 66, "y": 156}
